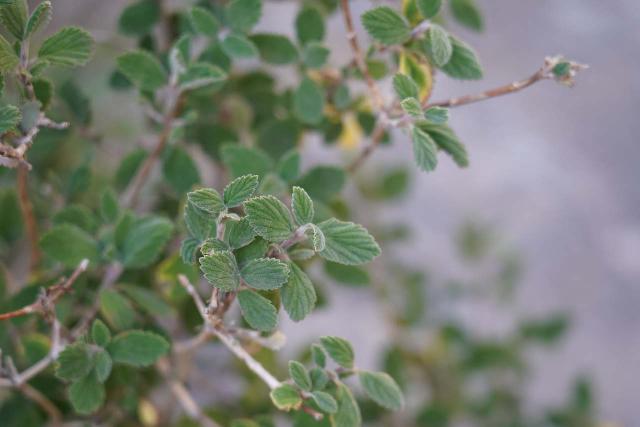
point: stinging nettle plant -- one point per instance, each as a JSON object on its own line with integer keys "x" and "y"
{"x": 133, "y": 269}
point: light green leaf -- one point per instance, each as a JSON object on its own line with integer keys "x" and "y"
{"x": 275, "y": 48}
{"x": 429, "y": 8}
{"x": 439, "y": 45}
{"x": 447, "y": 141}
{"x": 265, "y": 273}
{"x": 201, "y": 74}
{"x": 74, "y": 362}
{"x": 348, "y": 274}
{"x": 382, "y": 389}
{"x": 100, "y": 333}
{"x": 339, "y": 349}
{"x": 10, "y": 117}
{"x": 203, "y": 21}
{"x": 8, "y": 58}
{"x": 145, "y": 241}
{"x": 299, "y": 375}
{"x": 437, "y": 115}
{"x": 239, "y": 46}
{"x": 221, "y": 270}
{"x": 200, "y": 223}
{"x": 148, "y": 300}
{"x": 70, "y": 47}
{"x": 325, "y": 402}
{"x": 87, "y": 395}
{"x": 386, "y": 25}
{"x": 302, "y": 206}
{"x": 308, "y": 102}
{"x": 286, "y": 397}
{"x": 104, "y": 364}
{"x": 412, "y": 107}
{"x": 139, "y": 18}
{"x": 69, "y": 245}
{"x": 269, "y": 218}
{"x": 347, "y": 243}
{"x": 298, "y": 294}
{"x": 319, "y": 378}
{"x": 137, "y": 348}
{"x": 239, "y": 190}
{"x": 467, "y": 13}
{"x": 425, "y": 150}
{"x": 116, "y": 309}
{"x": 210, "y": 246}
{"x": 207, "y": 199}
{"x": 143, "y": 69}
{"x": 243, "y": 15}
{"x": 315, "y": 55}
{"x": 246, "y": 160}
{"x": 348, "y": 414}
{"x": 404, "y": 86}
{"x": 13, "y": 15}
{"x": 309, "y": 25}
{"x": 318, "y": 355}
{"x": 39, "y": 19}
{"x": 463, "y": 63}
{"x": 189, "y": 249}
{"x": 239, "y": 233}
{"x": 109, "y": 209}
{"x": 258, "y": 311}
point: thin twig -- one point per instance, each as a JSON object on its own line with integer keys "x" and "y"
{"x": 55, "y": 416}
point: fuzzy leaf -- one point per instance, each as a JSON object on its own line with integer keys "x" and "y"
{"x": 239, "y": 233}
{"x": 239, "y": 46}
{"x": 299, "y": 375}
{"x": 309, "y": 25}
{"x": 69, "y": 245}
{"x": 116, "y": 309}
{"x": 412, "y": 107}
{"x": 425, "y": 150}
{"x": 104, "y": 364}
{"x": 437, "y": 115}
{"x": 325, "y": 402}
{"x": 467, "y": 13}
{"x": 258, "y": 311}
{"x": 339, "y": 349}
{"x": 74, "y": 362}
{"x": 439, "y": 45}
{"x": 200, "y": 75}
{"x": 206, "y": 199}
{"x": 137, "y": 348}
{"x": 404, "y": 86}
{"x": 100, "y": 333}
{"x": 429, "y": 8}
{"x": 39, "y": 19}
{"x": 269, "y": 218}
{"x": 243, "y": 15}
{"x": 265, "y": 273}
{"x": 386, "y": 25}
{"x": 239, "y": 190}
{"x": 275, "y": 49}
{"x": 308, "y": 102}
{"x": 447, "y": 141}
{"x": 382, "y": 389}
{"x": 463, "y": 63}
{"x": 10, "y": 117}
{"x": 203, "y": 21}
{"x": 286, "y": 397}
{"x": 87, "y": 395}
{"x": 13, "y": 15}
{"x": 143, "y": 69}
{"x": 8, "y": 58}
{"x": 348, "y": 414}
{"x": 221, "y": 270}
{"x": 302, "y": 206}
{"x": 70, "y": 47}
{"x": 347, "y": 243}
{"x": 298, "y": 294}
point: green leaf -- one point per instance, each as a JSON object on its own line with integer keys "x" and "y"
{"x": 288, "y": 167}
{"x": 243, "y": 15}
{"x": 143, "y": 69}
{"x": 201, "y": 224}
{"x": 275, "y": 48}
{"x": 180, "y": 170}
{"x": 348, "y": 414}
{"x": 188, "y": 250}
{"x": 69, "y": 245}
{"x": 439, "y": 45}
{"x": 308, "y": 102}
{"x": 258, "y": 311}
{"x": 382, "y": 389}
{"x": 339, "y": 349}
{"x": 145, "y": 241}
{"x": 429, "y": 8}
{"x": 109, "y": 209}
{"x": 404, "y": 86}
{"x": 269, "y": 218}
{"x": 74, "y": 362}
{"x": 87, "y": 395}
{"x": 447, "y": 141}
{"x": 221, "y": 270}
{"x": 43, "y": 90}
{"x": 299, "y": 375}
{"x": 309, "y": 25}
{"x": 70, "y": 47}
{"x": 39, "y": 19}
{"x": 315, "y": 55}
{"x": 207, "y": 199}
{"x": 100, "y": 333}
{"x": 265, "y": 273}
{"x": 298, "y": 294}
{"x": 425, "y": 150}
{"x": 13, "y": 15}
{"x": 386, "y": 25}
{"x": 10, "y": 117}
{"x": 316, "y": 236}
{"x": 412, "y": 107}
{"x": 302, "y": 206}
{"x": 325, "y": 402}
{"x": 466, "y": 12}
{"x": 214, "y": 245}
{"x": 116, "y": 309}
{"x": 246, "y": 160}
{"x": 239, "y": 233}
{"x": 464, "y": 63}
{"x": 323, "y": 183}
{"x": 286, "y": 397}
{"x": 8, "y": 58}
{"x": 139, "y": 18}
{"x": 239, "y": 46}
{"x": 137, "y": 348}
{"x": 104, "y": 363}
{"x": 148, "y": 300}
{"x": 239, "y": 190}
{"x": 347, "y": 243}
{"x": 319, "y": 377}
{"x": 561, "y": 69}
{"x": 204, "y": 22}
{"x": 347, "y": 274}
{"x": 200, "y": 75}
{"x": 437, "y": 115}
{"x": 318, "y": 355}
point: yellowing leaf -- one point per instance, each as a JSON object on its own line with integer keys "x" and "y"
{"x": 352, "y": 133}
{"x": 419, "y": 71}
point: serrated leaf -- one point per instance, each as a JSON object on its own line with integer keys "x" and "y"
{"x": 299, "y": 375}
{"x": 265, "y": 273}
{"x": 447, "y": 141}
{"x": 143, "y": 70}
{"x": 318, "y": 355}
{"x": 302, "y": 206}
{"x": 69, "y": 245}
{"x": 438, "y": 115}
{"x": 347, "y": 243}
{"x": 100, "y": 333}
{"x": 428, "y": 8}
{"x": 239, "y": 190}
{"x": 200, "y": 223}
{"x": 439, "y": 45}
{"x": 463, "y": 63}
{"x": 145, "y": 241}
{"x": 116, "y": 309}
{"x": 425, "y": 150}
{"x": 275, "y": 49}
{"x": 286, "y": 397}
{"x": 467, "y": 13}
{"x": 386, "y": 25}
{"x": 269, "y": 218}
{"x": 382, "y": 389}
{"x": 74, "y": 362}
{"x": 148, "y": 300}
{"x": 243, "y": 15}
{"x": 308, "y": 102}
{"x": 104, "y": 364}
{"x": 203, "y": 21}
{"x": 239, "y": 233}
{"x": 319, "y": 378}
{"x": 325, "y": 402}
{"x": 10, "y": 117}
{"x": 221, "y": 270}
{"x": 404, "y": 86}
{"x": 139, "y": 18}
{"x": 339, "y": 349}
{"x": 137, "y": 348}
{"x": 39, "y": 19}
{"x": 8, "y": 58}
{"x": 239, "y": 46}
{"x": 258, "y": 311}
{"x": 322, "y": 183}
{"x": 207, "y": 199}
{"x": 309, "y": 25}
{"x": 189, "y": 249}
{"x": 298, "y": 294}
{"x": 13, "y": 15}
{"x": 210, "y": 246}
{"x": 316, "y": 236}
{"x": 70, "y": 47}
{"x": 348, "y": 414}
{"x": 87, "y": 395}
{"x": 412, "y": 107}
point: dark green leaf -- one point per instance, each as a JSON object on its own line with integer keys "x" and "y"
{"x": 447, "y": 141}
{"x": 74, "y": 362}
{"x": 146, "y": 241}
{"x": 180, "y": 171}
{"x": 340, "y": 350}
{"x": 87, "y": 395}
{"x": 258, "y": 311}
{"x": 239, "y": 233}
{"x": 322, "y": 183}
{"x": 207, "y": 199}
{"x": 239, "y": 190}
{"x": 13, "y": 15}
{"x": 143, "y": 69}
{"x": 243, "y": 15}
{"x": 404, "y": 86}
{"x": 71, "y": 47}
{"x": 137, "y": 348}
{"x": 463, "y": 63}
{"x": 308, "y": 102}
{"x": 275, "y": 48}
{"x": 116, "y": 309}
{"x": 246, "y": 160}
{"x": 39, "y": 19}
{"x": 315, "y": 55}
{"x": 69, "y": 245}
{"x": 348, "y": 414}
{"x": 139, "y": 18}
{"x": 386, "y": 25}
{"x": 309, "y": 25}
{"x": 100, "y": 333}
{"x": 104, "y": 364}
{"x": 302, "y": 206}
{"x": 298, "y": 294}
{"x": 203, "y": 21}
{"x": 221, "y": 270}
{"x": 325, "y": 402}
{"x": 265, "y": 273}
{"x": 467, "y": 13}
{"x": 429, "y": 8}
{"x": 8, "y": 58}
{"x": 148, "y": 300}
{"x": 439, "y": 45}
{"x": 239, "y": 46}
{"x": 269, "y": 218}
{"x": 10, "y": 117}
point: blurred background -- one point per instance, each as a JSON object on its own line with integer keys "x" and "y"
{"x": 554, "y": 174}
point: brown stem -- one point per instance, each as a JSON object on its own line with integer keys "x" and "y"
{"x": 29, "y": 218}
{"x": 55, "y": 416}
